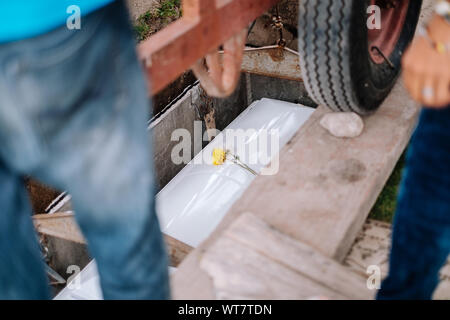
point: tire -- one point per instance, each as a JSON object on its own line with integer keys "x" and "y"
{"x": 338, "y": 68}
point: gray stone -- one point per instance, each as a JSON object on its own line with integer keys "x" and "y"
{"x": 343, "y": 124}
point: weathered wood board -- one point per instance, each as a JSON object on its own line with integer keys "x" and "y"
{"x": 62, "y": 225}
{"x": 254, "y": 261}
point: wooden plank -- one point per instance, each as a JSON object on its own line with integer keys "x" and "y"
{"x": 63, "y": 225}
{"x": 171, "y": 51}
{"x": 239, "y": 273}
{"x": 176, "y": 250}
{"x": 284, "y": 252}
{"x": 59, "y": 225}
{"x": 193, "y": 9}
{"x": 252, "y": 254}
{"x": 325, "y": 186}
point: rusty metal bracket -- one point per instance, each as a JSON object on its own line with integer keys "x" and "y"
{"x": 277, "y": 24}
{"x": 272, "y": 61}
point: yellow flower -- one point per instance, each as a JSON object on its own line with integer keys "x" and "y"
{"x": 219, "y": 156}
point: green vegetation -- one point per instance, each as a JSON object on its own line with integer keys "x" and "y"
{"x": 154, "y": 20}
{"x": 142, "y": 26}
{"x": 384, "y": 208}
{"x": 169, "y": 8}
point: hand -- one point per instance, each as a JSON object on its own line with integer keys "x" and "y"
{"x": 426, "y": 71}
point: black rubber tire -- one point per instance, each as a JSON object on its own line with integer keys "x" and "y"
{"x": 336, "y": 66}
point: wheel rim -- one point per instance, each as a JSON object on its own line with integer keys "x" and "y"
{"x": 383, "y": 41}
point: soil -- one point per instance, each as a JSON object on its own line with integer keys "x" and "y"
{"x": 139, "y": 7}
{"x": 40, "y": 195}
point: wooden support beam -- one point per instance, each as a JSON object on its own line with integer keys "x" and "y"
{"x": 194, "y": 9}
{"x": 63, "y": 226}
{"x": 205, "y": 25}
{"x": 252, "y": 260}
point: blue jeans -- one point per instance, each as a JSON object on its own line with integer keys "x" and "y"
{"x": 421, "y": 234}
{"x": 73, "y": 114}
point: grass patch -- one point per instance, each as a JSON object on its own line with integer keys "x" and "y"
{"x": 156, "y": 19}
{"x": 386, "y": 203}
{"x": 142, "y": 27}
{"x": 169, "y": 8}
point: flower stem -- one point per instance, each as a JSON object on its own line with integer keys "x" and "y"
{"x": 237, "y": 161}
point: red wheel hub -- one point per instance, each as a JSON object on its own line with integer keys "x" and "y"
{"x": 393, "y": 17}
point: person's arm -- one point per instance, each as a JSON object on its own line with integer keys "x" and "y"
{"x": 426, "y": 63}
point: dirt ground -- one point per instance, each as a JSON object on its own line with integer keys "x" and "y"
{"x": 139, "y": 7}
{"x": 40, "y": 195}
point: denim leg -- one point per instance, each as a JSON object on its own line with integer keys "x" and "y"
{"x": 108, "y": 171}
{"x": 22, "y": 274}
{"x": 83, "y": 102}
{"x": 103, "y": 157}
{"x": 421, "y": 232}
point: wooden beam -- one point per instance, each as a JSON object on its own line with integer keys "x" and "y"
{"x": 205, "y": 25}
{"x": 194, "y": 9}
{"x": 252, "y": 260}
{"x": 63, "y": 226}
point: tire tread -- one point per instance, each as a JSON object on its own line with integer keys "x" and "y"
{"x": 326, "y": 85}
